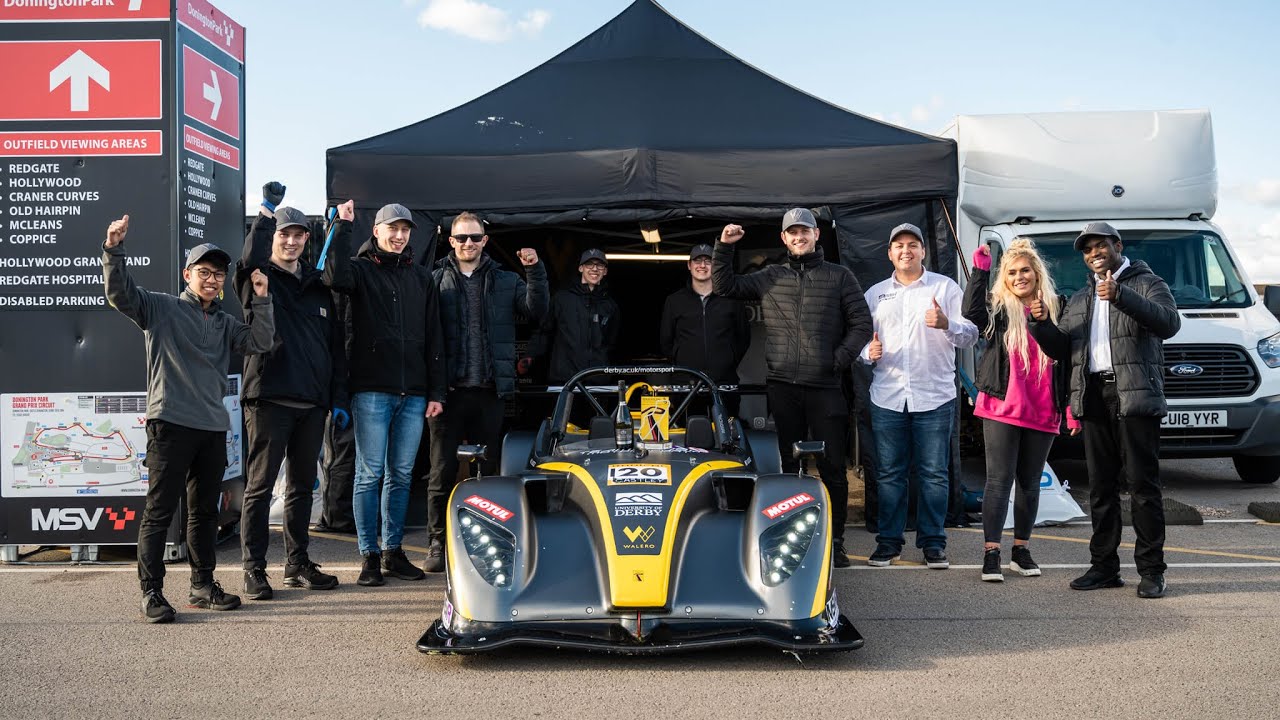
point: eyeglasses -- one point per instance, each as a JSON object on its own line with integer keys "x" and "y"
{"x": 476, "y": 238}
{"x": 206, "y": 273}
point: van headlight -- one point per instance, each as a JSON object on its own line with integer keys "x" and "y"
{"x": 1269, "y": 349}
{"x": 492, "y": 549}
{"x": 784, "y": 545}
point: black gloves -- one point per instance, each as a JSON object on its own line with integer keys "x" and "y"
{"x": 272, "y": 195}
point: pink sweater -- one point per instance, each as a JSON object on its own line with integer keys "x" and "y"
{"x": 1028, "y": 401}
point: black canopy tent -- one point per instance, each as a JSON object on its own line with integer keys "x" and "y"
{"x": 645, "y": 120}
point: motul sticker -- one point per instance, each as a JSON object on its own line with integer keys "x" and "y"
{"x": 790, "y": 503}
{"x": 489, "y": 507}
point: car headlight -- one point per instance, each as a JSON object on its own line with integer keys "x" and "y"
{"x": 784, "y": 544}
{"x": 1269, "y": 349}
{"x": 492, "y": 549}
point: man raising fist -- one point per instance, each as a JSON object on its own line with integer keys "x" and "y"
{"x": 187, "y": 423}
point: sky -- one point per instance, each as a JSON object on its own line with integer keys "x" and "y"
{"x": 323, "y": 73}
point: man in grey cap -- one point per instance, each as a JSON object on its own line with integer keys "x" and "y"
{"x": 918, "y": 326}
{"x": 187, "y": 423}
{"x": 581, "y": 327}
{"x": 1112, "y": 332}
{"x": 288, "y": 393}
{"x": 397, "y": 376}
{"x": 816, "y": 321}
{"x": 703, "y": 330}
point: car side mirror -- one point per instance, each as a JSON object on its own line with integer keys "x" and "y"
{"x": 1271, "y": 298}
{"x": 473, "y": 454}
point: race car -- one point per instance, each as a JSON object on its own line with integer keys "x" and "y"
{"x": 649, "y": 530}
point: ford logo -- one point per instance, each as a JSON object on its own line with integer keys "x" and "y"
{"x": 1186, "y": 370}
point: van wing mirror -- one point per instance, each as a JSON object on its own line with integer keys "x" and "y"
{"x": 1271, "y": 298}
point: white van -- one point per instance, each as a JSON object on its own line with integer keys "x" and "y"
{"x": 1154, "y": 177}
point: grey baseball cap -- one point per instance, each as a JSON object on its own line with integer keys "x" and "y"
{"x": 1096, "y": 229}
{"x": 209, "y": 253}
{"x": 798, "y": 216}
{"x": 393, "y": 212}
{"x": 593, "y": 254}
{"x": 906, "y": 228}
{"x": 289, "y": 216}
{"x": 700, "y": 251}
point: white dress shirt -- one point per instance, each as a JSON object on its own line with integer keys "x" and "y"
{"x": 1100, "y": 328}
{"x": 918, "y": 368}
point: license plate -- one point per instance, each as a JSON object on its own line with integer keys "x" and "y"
{"x": 1195, "y": 419}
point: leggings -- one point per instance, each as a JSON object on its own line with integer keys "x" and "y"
{"x": 1013, "y": 454}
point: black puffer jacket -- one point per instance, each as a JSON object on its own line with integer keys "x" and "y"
{"x": 710, "y": 336}
{"x": 993, "y": 369}
{"x": 506, "y": 296}
{"x": 1143, "y": 315}
{"x": 579, "y": 331}
{"x": 397, "y": 345}
{"x": 308, "y": 362}
{"x": 815, "y": 315}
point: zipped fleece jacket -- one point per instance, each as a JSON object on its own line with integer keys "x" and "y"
{"x": 397, "y": 345}
{"x": 814, "y": 313}
{"x": 580, "y": 331}
{"x": 1143, "y": 315}
{"x": 308, "y": 362}
{"x": 504, "y": 295}
{"x": 188, "y": 346}
{"x": 710, "y": 336}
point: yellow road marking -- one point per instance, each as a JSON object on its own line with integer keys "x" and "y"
{"x": 1189, "y": 551}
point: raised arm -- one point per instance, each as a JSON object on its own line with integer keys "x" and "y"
{"x": 532, "y": 293}
{"x": 724, "y": 279}
{"x": 123, "y": 294}
{"x": 339, "y": 271}
{"x": 1154, "y": 309}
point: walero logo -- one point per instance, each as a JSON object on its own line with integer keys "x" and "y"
{"x": 639, "y": 533}
{"x": 637, "y": 504}
{"x": 489, "y": 507}
{"x": 790, "y": 503}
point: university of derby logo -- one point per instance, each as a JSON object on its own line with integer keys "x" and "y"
{"x": 637, "y": 504}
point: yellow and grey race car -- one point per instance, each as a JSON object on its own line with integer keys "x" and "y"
{"x": 633, "y": 535}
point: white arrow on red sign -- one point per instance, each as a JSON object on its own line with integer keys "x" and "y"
{"x": 213, "y": 94}
{"x": 79, "y": 68}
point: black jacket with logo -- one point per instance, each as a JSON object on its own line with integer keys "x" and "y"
{"x": 397, "y": 345}
{"x": 307, "y": 361}
{"x": 710, "y": 336}
{"x": 579, "y": 331}
{"x": 505, "y": 295}
{"x": 1143, "y": 315}
{"x": 814, "y": 312}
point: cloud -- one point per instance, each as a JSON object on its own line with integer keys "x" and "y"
{"x": 1264, "y": 192}
{"x": 480, "y": 21}
{"x": 921, "y": 113}
{"x": 1255, "y": 244}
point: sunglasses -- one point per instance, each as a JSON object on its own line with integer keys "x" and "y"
{"x": 476, "y": 238}
{"x": 206, "y": 273}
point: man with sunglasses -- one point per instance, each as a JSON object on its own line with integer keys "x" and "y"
{"x": 479, "y": 306}
{"x": 189, "y": 341}
{"x": 287, "y": 393}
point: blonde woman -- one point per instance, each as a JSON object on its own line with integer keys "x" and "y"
{"x": 1021, "y": 395}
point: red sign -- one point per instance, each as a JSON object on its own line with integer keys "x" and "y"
{"x": 490, "y": 507}
{"x": 79, "y": 144}
{"x": 210, "y": 94}
{"x": 48, "y": 11}
{"x": 210, "y": 147}
{"x": 790, "y": 503}
{"x": 213, "y": 25}
{"x": 80, "y": 80}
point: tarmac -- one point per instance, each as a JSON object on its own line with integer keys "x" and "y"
{"x": 939, "y": 643}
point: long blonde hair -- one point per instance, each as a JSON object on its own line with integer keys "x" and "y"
{"x": 1004, "y": 302}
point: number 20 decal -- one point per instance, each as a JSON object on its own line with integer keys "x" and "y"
{"x": 640, "y": 474}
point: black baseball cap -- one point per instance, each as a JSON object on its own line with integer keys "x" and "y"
{"x": 593, "y": 254}
{"x": 208, "y": 252}
{"x": 700, "y": 251}
{"x": 289, "y": 217}
{"x": 393, "y": 212}
{"x": 1096, "y": 229}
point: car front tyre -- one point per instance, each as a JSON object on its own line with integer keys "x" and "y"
{"x": 1257, "y": 468}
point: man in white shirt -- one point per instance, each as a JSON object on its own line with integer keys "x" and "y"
{"x": 918, "y": 326}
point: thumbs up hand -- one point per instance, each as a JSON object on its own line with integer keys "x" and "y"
{"x": 935, "y": 318}
{"x": 875, "y": 350}
{"x": 1107, "y": 288}
{"x": 116, "y": 232}
{"x": 1037, "y": 308}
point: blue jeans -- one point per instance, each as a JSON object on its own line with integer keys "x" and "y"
{"x": 913, "y": 446}
{"x": 388, "y": 428}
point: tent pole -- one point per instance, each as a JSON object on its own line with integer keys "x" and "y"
{"x": 955, "y": 239}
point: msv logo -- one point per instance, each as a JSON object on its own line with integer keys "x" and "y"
{"x": 62, "y": 519}
{"x": 1186, "y": 370}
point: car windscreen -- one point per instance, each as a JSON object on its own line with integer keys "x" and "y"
{"x": 1195, "y": 264}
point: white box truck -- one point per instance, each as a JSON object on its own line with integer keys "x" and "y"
{"x": 1154, "y": 177}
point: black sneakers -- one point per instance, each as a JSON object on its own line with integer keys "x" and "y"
{"x": 211, "y": 597}
{"x": 256, "y": 586}
{"x": 371, "y": 571}
{"x": 1022, "y": 562}
{"x": 435, "y": 557}
{"x": 395, "y": 564}
{"x": 156, "y": 609}
{"x": 883, "y": 556}
{"x": 309, "y": 577}
{"x": 991, "y": 566}
{"x": 1096, "y": 579}
{"x": 1152, "y": 586}
{"x": 935, "y": 558}
{"x": 838, "y": 556}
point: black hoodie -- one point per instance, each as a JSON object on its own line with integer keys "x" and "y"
{"x": 579, "y": 331}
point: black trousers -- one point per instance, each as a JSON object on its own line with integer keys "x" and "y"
{"x": 337, "y": 511}
{"x": 472, "y": 416}
{"x": 1122, "y": 452}
{"x": 276, "y": 433}
{"x": 800, "y": 413}
{"x": 181, "y": 459}
{"x": 1015, "y": 457}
